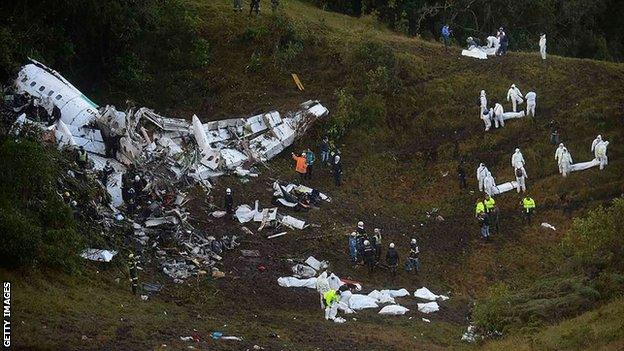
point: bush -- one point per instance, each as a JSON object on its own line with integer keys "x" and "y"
{"x": 36, "y": 227}
{"x": 595, "y": 243}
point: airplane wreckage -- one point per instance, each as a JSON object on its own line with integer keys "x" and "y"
{"x": 135, "y": 138}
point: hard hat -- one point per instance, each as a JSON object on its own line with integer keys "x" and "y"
{"x": 137, "y": 178}
{"x": 360, "y": 225}
{"x": 353, "y": 234}
{"x": 303, "y": 153}
{"x": 377, "y": 230}
{"x": 66, "y": 194}
{"x": 337, "y": 158}
{"x": 228, "y": 191}
{"x": 366, "y": 242}
{"x": 131, "y": 255}
{"x": 392, "y": 245}
{"x": 413, "y": 241}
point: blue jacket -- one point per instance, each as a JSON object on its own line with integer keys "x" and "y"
{"x": 353, "y": 247}
{"x": 310, "y": 158}
{"x": 446, "y": 32}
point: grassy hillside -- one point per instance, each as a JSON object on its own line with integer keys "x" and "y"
{"x": 409, "y": 111}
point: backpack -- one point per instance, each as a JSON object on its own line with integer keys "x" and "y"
{"x": 519, "y": 172}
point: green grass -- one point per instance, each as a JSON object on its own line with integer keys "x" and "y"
{"x": 394, "y": 172}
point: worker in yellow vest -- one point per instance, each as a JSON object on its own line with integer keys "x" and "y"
{"x": 480, "y": 208}
{"x": 331, "y": 299}
{"x": 528, "y": 205}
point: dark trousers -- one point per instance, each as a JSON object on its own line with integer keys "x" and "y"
{"x": 254, "y": 6}
{"x": 527, "y": 215}
{"x": 337, "y": 178}
{"x": 462, "y": 182}
{"x": 308, "y": 174}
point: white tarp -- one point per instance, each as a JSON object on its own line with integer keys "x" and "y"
{"x": 293, "y": 222}
{"x": 512, "y": 115}
{"x": 292, "y": 282}
{"x": 394, "y": 310}
{"x": 244, "y": 213}
{"x": 503, "y": 188}
{"x": 316, "y": 264}
{"x": 380, "y": 297}
{"x": 426, "y": 294}
{"x": 359, "y": 302}
{"x": 475, "y": 52}
{"x": 98, "y": 255}
{"x": 396, "y": 293}
{"x": 584, "y": 165}
{"x": 428, "y": 307}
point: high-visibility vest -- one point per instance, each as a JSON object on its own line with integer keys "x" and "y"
{"x": 489, "y": 204}
{"x": 330, "y": 296}
{"x": 301, "y": 166}
{"x": 528, "y": 203}
{"x": 82, "y": 156}
{"x": 480, "y": 208}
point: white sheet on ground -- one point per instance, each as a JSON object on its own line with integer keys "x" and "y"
{"x": 505, "y": 187}
{"x": 475, "y": 52}
{"x": 381, "y": 298}
{"x": 584, "y": 165}
{"x": 512, "y": 115}
{"x": 303, "y": 271}
{"x": 426, "y": 294}
{"x": 293, "y": 222}
{"x": 359, "y": 302}
{"x": 394, "y": 310}
{"x": 396, "y": 293}
{"x": 316, "y": 264}
{"x": 292, "y": 282}
{"x": 428, "y": 307}
{"x": 244, "y": 213}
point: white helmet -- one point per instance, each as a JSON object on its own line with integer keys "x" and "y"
{"x": 137, "y": 178}
{"x": 392, "y": 245}
{"x": 413, "y": 241}
{"x": 353, "y": 234}
{"x": 377, "y": 230}
{"x": 337, "y": 159}
{"x": 228, "y": 191}
{"x": 360, "y": 225}
{"x": 366, "y": 242}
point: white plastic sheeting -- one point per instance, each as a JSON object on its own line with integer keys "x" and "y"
{"x": 380, "y": 297}
{"x": 316, "y": 264}
{"x": 584, "y": 165}
{"x": 426, "y": 294}
{"x": 98, "y": 255}
{"x": 475, "y": 52}
{"x": 359, "y": 302}
{"x": 292, "y": 282}
{"x": 428, "y": 307}
{"x": 512, "y": 115}
{"x": 394, "y": 310}
{"x": 396, "y": 293}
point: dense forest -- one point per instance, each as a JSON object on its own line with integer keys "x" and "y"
{"x": 577, "y": 28}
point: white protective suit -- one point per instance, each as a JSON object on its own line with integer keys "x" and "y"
{"x": 565, "y": 161}
{"x": 489, "y": 184}
{"x": 596, "y": 142}
{"x": 498, "y": 115}
{"x": 483, "y": 101}
{"x": 322, "y": 286}
{"x": 600, "y": 152}
{"x": 521, "y": 177}
{"x": 487, "y": 119}
{"x": 515, "y": 96}
{"x": 542, "y": 46}
{"x": 530, "y": 98}
{"x": 482, "y": 172}
{"x": 558, "y": 155}
{"x": 493, "y": 42}
{"x": 517, "y": 158}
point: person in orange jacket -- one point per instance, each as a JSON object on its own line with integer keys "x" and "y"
{"x": 301, "y": 165}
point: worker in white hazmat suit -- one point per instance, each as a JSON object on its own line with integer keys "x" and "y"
{"x": 542, "y": 46}
{"x": 530, "y": 108}
{"x": 487, "y": 120}
{"x": 482, "y": 171}
{"x": 322, "y": 286}
{"x": 515, "y": 96}
{"x": 565, "y": 161}
{"x": 482, "y": 102}
{"x": 489, "y": 184}
{"x": 498, "y": 115}
{"x": 492, "y": 42}
{"x": 517, "y": 158}
{"x": 596, "y": 142}
{"x": 521, "y": 177}
{"x": 558, "y": 155}
{"x": 600, "y": 152}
